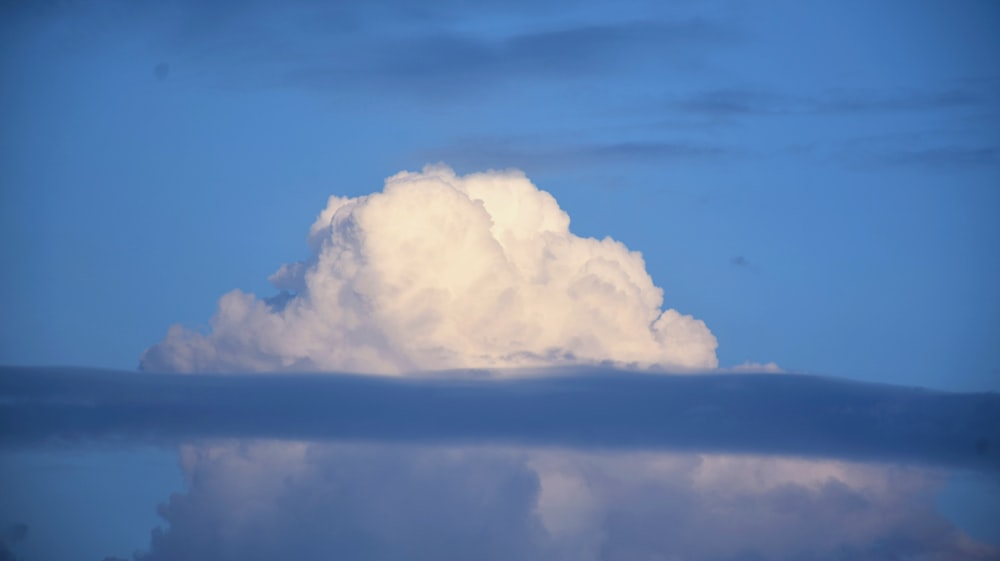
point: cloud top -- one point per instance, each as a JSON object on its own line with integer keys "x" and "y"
{"x": 443, "y": 271}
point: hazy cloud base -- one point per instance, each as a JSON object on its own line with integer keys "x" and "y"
{"x": 268, "y": 500}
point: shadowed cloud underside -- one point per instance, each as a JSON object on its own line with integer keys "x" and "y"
{"x": 589, "y": 408}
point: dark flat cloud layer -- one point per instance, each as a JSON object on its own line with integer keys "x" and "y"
{"x": 594, "y": 408}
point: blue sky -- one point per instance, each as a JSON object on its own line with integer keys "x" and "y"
{"x": 817, "y": 181}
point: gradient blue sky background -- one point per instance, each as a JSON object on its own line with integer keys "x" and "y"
{"x": 817, "y": 181}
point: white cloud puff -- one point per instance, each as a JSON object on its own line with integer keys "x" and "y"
{"x": 443, "y": 271}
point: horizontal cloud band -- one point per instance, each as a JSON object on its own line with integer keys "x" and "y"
{"x": 740, "y": 413}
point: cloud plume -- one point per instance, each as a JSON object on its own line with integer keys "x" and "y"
{"x": 445, "y": 271}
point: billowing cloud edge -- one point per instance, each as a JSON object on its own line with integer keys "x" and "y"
{"x": 442, "y": 271}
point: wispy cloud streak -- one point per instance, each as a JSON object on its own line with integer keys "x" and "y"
{"x": 485, "y": 151}
{"x": 747, "y": 102}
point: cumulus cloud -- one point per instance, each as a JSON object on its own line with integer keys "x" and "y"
{"x": 444, "y": 271}
{"x": 267, "y": 500}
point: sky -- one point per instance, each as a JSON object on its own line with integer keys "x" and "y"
{"x": 816, "y": 182}
{"x": 382, "y": 188}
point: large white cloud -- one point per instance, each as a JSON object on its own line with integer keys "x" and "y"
{"x": 445, "y": 271}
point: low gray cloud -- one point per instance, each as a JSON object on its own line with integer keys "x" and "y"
{"x": 733, "y": 413}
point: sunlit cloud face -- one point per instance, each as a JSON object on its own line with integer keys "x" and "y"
{"x": 444, "y": 271}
